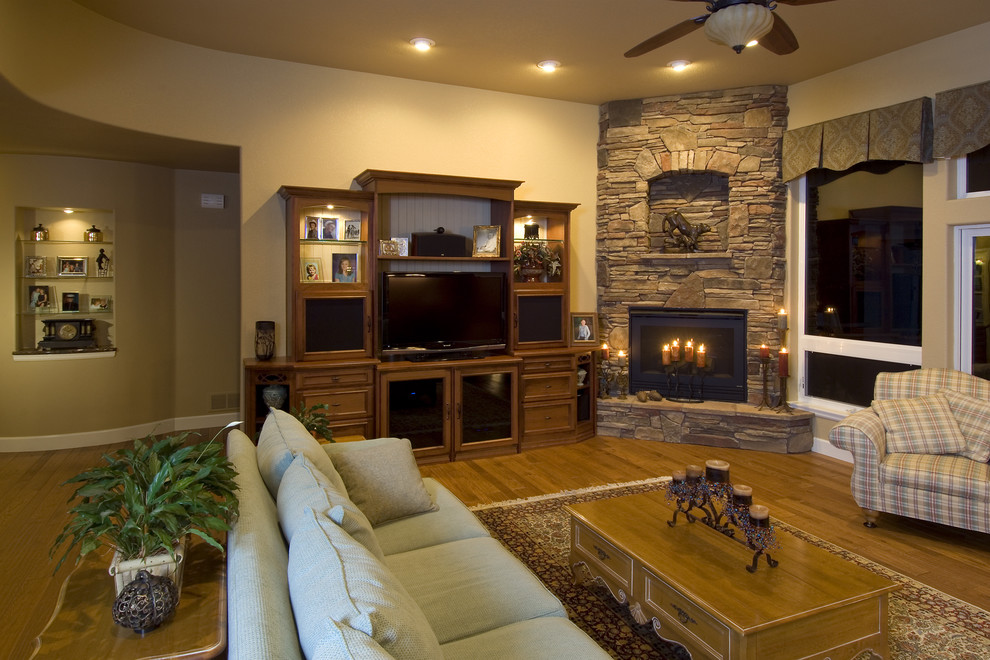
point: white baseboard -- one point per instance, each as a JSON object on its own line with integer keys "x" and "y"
{"x": 826, "y": 448}
{"x": 113, "y": 436}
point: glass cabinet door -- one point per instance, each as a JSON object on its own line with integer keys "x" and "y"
{"x": 418, "y": 408}
{"x": 485, "y": 407}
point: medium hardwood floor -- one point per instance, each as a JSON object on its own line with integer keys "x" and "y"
{"x": 809, "y": 491}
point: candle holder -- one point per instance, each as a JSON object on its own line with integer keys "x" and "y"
{"x": 606, "y": 376}
{"x": 711, "y": 500}
{"x": 765, "y": 376}
{"x": 690, "y": 371}
{"x": 782, "y": 407}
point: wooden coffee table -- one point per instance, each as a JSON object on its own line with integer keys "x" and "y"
{"x": 692, "y": 583}
{"x": 82, "y": 625}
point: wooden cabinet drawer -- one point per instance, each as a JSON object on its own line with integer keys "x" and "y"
{"x": 606, "y": 560}
{"x": 684, "y": 616}
{"x": 343, "y": 403}
{"x": 324, "y": 378}
{"x": 542, "y": 387}
{"x": 548, "y": 363}
{"x": 548, "y": 417}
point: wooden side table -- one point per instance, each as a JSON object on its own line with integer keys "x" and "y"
{"x": 82, "y": 625}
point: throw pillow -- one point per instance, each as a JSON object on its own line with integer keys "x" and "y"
{"x": 923, "y": 425}
{"x": 302, "y": 487}
{"x": 332, "y": 576}
{"x": 382, "y": 478}
{"x": 282, "y": 438}
{"x": 973, "y": 417}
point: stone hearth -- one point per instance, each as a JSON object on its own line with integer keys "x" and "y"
{"x": 713, "y": 423}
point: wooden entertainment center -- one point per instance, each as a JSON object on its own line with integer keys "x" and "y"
{"x": 537, "y": 390}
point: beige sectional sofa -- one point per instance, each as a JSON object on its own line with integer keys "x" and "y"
{"x": 921, "y": 449}
{"x": 344, "y": 551}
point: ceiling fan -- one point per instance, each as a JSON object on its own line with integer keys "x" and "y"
{"x": 734, "y": 23}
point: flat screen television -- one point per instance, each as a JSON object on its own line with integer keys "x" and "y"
{"x": 432, "y": 315}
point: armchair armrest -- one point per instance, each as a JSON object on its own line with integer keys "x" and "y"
{"x": 863, "y": 434}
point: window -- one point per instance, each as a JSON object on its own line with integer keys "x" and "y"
{"x": 973, "y": 283}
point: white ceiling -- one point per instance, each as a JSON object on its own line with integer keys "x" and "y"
{"x": 495, "y": 45}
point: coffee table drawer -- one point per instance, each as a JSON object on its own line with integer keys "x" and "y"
{"x": 605, "y": 556}
{"x": 679, "y": 612}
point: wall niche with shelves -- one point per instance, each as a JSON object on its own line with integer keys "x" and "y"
{"x": 64, "y": 269}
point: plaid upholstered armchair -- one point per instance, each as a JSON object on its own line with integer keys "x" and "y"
{"x": 921, "y": 449}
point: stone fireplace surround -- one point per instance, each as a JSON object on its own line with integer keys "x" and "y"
{"x": 716, "y": 158}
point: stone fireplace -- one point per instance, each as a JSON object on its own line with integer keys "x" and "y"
{"x": 714, "y": 157}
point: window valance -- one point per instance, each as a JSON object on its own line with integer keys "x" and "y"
{"x": 962, "y": 122}
{"x": 897, "y": 132}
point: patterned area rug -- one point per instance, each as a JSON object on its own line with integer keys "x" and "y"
{"x": 924, "y": 622}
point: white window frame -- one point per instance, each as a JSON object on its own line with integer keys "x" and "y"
{"x": 832, "y": 345}
{"x": 965, "y": 255}
{"x": 962, "y": 174}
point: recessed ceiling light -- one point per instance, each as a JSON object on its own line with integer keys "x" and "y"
{"x": 422, "y": 43}
{"x": 678, "y": 65}
{"x": 549, "y": 65}
{"x": 68, "y": 211}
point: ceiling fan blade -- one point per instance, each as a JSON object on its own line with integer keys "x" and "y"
{"x": 670, "y": 34}
{"x": 798, "y": 3}
{"x": 780, "y": 39}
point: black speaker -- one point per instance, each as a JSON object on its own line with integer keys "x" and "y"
{"x": 432, "y": 244}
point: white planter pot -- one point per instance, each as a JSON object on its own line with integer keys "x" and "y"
{"x": 124, "y": 571}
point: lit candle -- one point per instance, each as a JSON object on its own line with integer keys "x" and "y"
{"x": 689, "y": 350}
{"x": 622, "y": 358}
{"x": 701, "y": 357}
{"x": 782, "y": 319}
{"x": 782, "y": 363}
{"x": 605, "y": 350}
{"x": 760, "y": 515}
{"x": 675, "y": 350}
{"x": 717, "y": 471}
{"x": 764, "y": 352}
{"x": 666, "y": 354}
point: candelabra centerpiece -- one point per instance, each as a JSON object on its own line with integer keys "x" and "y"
{"x": 707, "y": 496}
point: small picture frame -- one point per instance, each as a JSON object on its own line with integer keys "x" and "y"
{"x": 352, "y": 230}
{"x": 403, "y": 244}
{"x": 487, "y": 240}
{"x": 389, "y": 248}
{"x": 70, "y": 301}
{"x": 311, "y": 230}
{"x": 40, "y": 298}
{"x": 584, "y": 328}
{"x": 35, "y": 266}
{"x": 100, "y": 303}
{"x": 328, "y": 229}
{"x": 345, "y": 267}
{"x": 72, "y": 266}
{"x": 311, "y": 269}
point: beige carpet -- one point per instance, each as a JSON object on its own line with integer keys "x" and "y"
{"x": 924, "y": 622}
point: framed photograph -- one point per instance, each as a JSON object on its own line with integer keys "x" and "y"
{"x": 40, "y": 298}
{"x": 100, "y": 303}
{"x": 352, "y": 230}
{"x": 70, "y": 301}
{"x": 487, "y": 240}
{"x": 72, "y": 266}
{"x": 312, "y": 269}
{"x": 584, "y": 328}
{"x": 344, "y": 266}
{"x": 403, "y": 244}
{"x": 328, "y": 229}
{"x": 389, "y": 248}
{"x": 35, "y": 266}
{"x": 312, "y": 231}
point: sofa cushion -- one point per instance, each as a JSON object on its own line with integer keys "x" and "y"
{"x": 546, "y": 638}
{"x": 332, "y": 576}
{"x": 282, "y": 438}
{"x": 337, "y": 640}
{"x": 922, "y": 425}
{"x": 973, "y": 417}
{"x": 930, "y": 473}
{"x": 302, "y": 487}
{"x": 381, "y": 477}
{"x": 471, "y": 586}
{"x": 259, "y": 614}
{"x": 452, "y": 521}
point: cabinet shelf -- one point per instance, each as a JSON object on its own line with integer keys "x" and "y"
{"x": 25, "y": 241}
{"x": 442, "y": 259}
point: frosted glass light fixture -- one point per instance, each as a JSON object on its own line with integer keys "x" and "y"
{"x": 736, "y": 25}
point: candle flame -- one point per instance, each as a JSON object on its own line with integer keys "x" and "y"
{"x": 783, "y": 349}
{"x": 701, "y": 349}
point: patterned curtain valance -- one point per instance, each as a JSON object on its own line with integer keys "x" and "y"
{"x": 962, "y": 122}
{"x": 897, "y": 132}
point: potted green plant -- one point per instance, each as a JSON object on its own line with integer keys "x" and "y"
{"x": 315, "y": 419}
{"x": 532, "y": 259}
{"x": 145, "y": 499}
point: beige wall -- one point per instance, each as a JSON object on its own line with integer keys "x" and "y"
{"x": 295, "y": 125}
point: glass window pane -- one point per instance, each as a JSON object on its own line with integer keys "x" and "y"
{"x": 978, "y": 170}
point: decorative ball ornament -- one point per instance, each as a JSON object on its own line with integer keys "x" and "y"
{"x": 146, "y": 602}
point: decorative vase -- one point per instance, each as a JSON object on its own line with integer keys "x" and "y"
{"x": 93, "y": 235}
{"x": 146, "y": 602}
{"x": 274, "y": 396}
{"x": 39, "y": 233}
{"x": 125, "y": 571}
{"x": 531, "y": 273}
{"x": 264, "y": 339}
